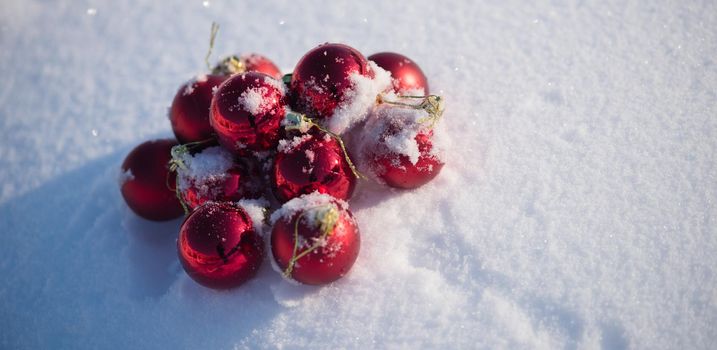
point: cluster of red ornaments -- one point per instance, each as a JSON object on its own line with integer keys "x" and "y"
{"x": 248, "y": 137}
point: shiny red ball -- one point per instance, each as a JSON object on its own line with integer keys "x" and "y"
{"x": 247, "y": 63}
{"x": 407, "y": 75}
{"x": 246, "y": 112}
{"x": 145, "y": 181}
{"x": 218, "y": 246}
{"x": 311, "y": 162}
{"x": 328, "y": 261}
{"x": 321, "y": 80}
{"x": 189, "y": 113}
{"x": 396, "y": 170}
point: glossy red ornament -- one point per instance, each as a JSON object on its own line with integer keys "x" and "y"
{"x": 215, "y": 175}
{"x": 396, "y": 144}
{"x": 407, "y": 75}
{"x": 396, "y": 170}
{"x": 328, "y": 240}
{"x": 247, "y": 63}
{"x": 219, "y": 247}
{"x": 321, "y": 80}
{"x": 246, "y": 112}
{"x": 189, "y": 113}
{"x": 311, "y": 162}
{"x": 145, "y": 181}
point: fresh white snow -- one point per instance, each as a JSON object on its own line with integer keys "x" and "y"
{"x": 203, "y": 169}
{"x": 577, "y": 208}
{"x": 359, "y": 100}
{"x": 257, "y": 209}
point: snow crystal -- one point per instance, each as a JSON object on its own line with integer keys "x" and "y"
{"x": 201, "y": 78}
{"x": 125, "y": 176}
{"x": 192, "y": 84}
{"x": 189, "y": 88}
{"x": 310, "y": 155}
{"x": 360, "y": 99}
{"x": 253, "y": 101}
{"x": 285, "y": 146}
{"x": 276, "y": 84}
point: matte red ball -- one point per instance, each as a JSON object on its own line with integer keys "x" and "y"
{"x": 145, "y": 181}
{"x": 398, "y": 171}
{"x": 326, "y": 263}
{"x": 247, "y": 63}
{"x": 246, "y": 112}
{"x": 407, "y": 75}
{"x": 312, "y": 162}
{"x": 241, "y": 180}
{"x": 321, "y": 79}
{"x": 189, "y": 113}
{"x": 218, "y": 246}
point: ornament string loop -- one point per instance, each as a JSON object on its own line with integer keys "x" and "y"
{"x": 327, "y": 217}
{"x": 212, "y": 37}
{"x": 302, "y": 123}
{"x": 432, "y": 104}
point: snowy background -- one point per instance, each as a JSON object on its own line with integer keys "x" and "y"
{"x": 577, "y": 210}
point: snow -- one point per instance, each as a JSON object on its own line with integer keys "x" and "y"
{"x": 203, "y": 170}
{"x": 275, "y": 83}
{"x": 192, "y": 84}
{"x": 377, "y": 136}
{"x": 256, "y": 208}
{"x": 252, "y": 100}
{"x": 576, "y": 209}
{"x": 306, "y": 201}
{"x": 124, "y": 176}
{"x": 360, "y": 100}
{"x": 287, "y": 145}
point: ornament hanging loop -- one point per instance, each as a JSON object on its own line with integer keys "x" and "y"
{"x": 327, "y": 216}
{"x": 212, "y": 37}
{"x": 432, "y": 104}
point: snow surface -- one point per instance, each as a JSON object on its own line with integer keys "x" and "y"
{"x": 576, "y": 210}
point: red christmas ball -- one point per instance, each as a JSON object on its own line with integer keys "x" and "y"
{"x": 397, "y": 170}
{"x": 189, "y": 113}
{"x": 247, "y": 63}
{"x": 246, "y": 112}
{"x": 215, "y": 175}
{"x": 321, "y": 80}
{"x": 396, "y": 146}
{"x": 219, "y": 247}
{"x": 311, "y": 162}
{"x": 407, "y": 75}
{"x": 328, "y": 239}
{"x": 145, "y": 181}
